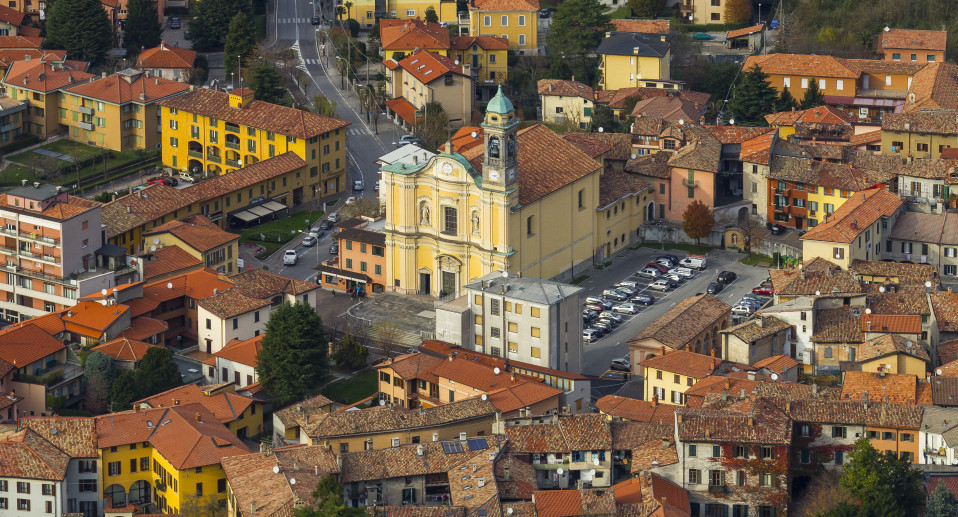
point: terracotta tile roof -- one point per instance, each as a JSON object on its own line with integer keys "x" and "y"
{"x": 864, "y": 208}
{"x": 411, "y": 510}
{"x": 21, "y": 42}
{"x": 40, "y": 76}
{"x": 677, "y": 327}
{"x": 878, "y": 66}
{"x": 258, "y": 114}
{"x": 26, "y": 345}
{"x": 900, "y": 388}
{"x": 142, "y": 328}
{"x": 913, "y": 39}
{"x": 197, "y": 231}
{"x": 122, "y": 87}
{"x": 910, "y": 281}
{"x": 463, "y": 140}
{"x": 166, "y": 56}
{"x": 944, "y": 391}
{"x": 60, "y": 211}
{"x": 697, "y": 395}
{"x": 5, "y": 368}
{"x": 225, "y": 406}
{"x": 745, "y": 31}
{"x": 25, "y": 454}
{"x": 380, "y": 420}
{"x": 651, "y": 165}
{"x": 255, "y": 485}
{"x": 505, "y": 5}
{"x": 8, "y": 55}
{"x": 837, "y": 325}
{"x": 49, "y": 323}
{"x": 156, "y": 201}
{"x": 757, "y": 328}
{"x": 950, "y": 482}
{"x": 759, "y": 422}
{"x": 473, "y": 375}
{"x": 871, "y": 137}
{"x": 443, "y": 349}
{"x": 373, "y": 237}
{"x": 947, "y": 351}
{"x": 898, "y": 323}
{"x": 777, "y": 363}
{"x": 11, "y": 16}
{"x": 231, "y": 303}
{"x": 523, "y": 394}
{"x": 168, "y": 260}
{"x": 558, "y": 503}
{"x": 934, "y": 87}
{"x": 412, "y": 366}
{"x": 636, "y": 410}
{"x": 614, "y": 185}
{"x": 265, "y": 284}
{"x": 242, "y": 352}
{"x": 564, "y": 88}
{"x": 945, "y": 305}
{"x": 521, "y": 481}
{"x": 646, "y": 26}
{"x": 427, "y": 66}
{"x": 690, "y": 364}
{"x": 404, "y": 461}
{"x": 576, "y": 432}
{"x": 856, "y": 412}
{"x": 412, "y": 34}
{"x": 92, "y": 318}
{"x": 75, "y": 436}
{"x": 736, "y": 134}
{"x": 484, "y": 42}
{"x": 889, "y": 344}
{"x": 402, "y": 107}
{"x": 292, "y": 415}
{"x": 124, "y": 349}
{"x": 628, "y": 434}
{"x": 787, "y": 64}
{"x": 928, "y": 168}
{"x": 936, "y": 122}
{"x": 672, "y": 109}
{"x": 654, "y": 454}
{"x": 702, "y": 153}
{"x": 814, "y": 172}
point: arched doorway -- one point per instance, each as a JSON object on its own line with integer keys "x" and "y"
{"x": 449, "y": 271}
{"x": 742, "y": 215}
{"x": 117, "y": 494}
{"x": 140, "y": 492}
{"x": 650, "y": 211}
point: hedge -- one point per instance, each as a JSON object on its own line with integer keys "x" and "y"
{"x": 21, "y": 142}
{"x": 678, "y": 26}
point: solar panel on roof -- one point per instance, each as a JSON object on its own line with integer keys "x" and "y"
{"x": 452, "y": 447}
{"x": 477, "y": 444}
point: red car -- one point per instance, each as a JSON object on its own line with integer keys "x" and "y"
{"x": 764, "y": 290}
{"x": 593, "y": 306}
{"x": 158, "y": 181}
{"x": 655, "y": 265}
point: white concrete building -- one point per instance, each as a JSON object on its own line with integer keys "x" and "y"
{"x": 938, "y": 436}
{"x": 800, "y": 314}
{"x": 235, "y": 363}
{"x": 35, "y": 484}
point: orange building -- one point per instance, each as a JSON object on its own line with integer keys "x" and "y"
{"x": 913, "y": 46}
{"x": 361, "y": 262}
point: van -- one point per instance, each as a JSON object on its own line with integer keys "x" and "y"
{"x": 694, "y": 261}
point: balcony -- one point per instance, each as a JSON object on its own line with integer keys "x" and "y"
{"x": 195, "y": 154}
{"x": 686, "y": 8}
{"x": 213, "y": 158}
{"x": 86, "y": 125}
{"x": 40, "y": 238}
{"x": 233, "y": 145}
{"x": 232, "y": 128}
{"x": 9, "y": 231}
{"x": 85, "y": 110}
{"x": 7, "y": 128}
{"x": 36, "y": 274}
{"x": 39, "y": 256}
{"x": 687, "y": 183}
{"x": 718, "y": 489}
{"x": 232, "y": 163}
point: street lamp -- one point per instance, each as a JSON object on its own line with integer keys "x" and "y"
{"x": 760, "y": 13}
{"x": 239, "y": 68}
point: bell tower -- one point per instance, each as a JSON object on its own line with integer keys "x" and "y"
{"x": 500, "y": 148}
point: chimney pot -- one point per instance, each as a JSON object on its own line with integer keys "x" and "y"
{"x": 199, "y": 418}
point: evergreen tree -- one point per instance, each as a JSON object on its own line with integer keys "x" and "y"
{"x": 873, "y": 476}
{"x": 431, "y": 15}
{"x": 267, "y": 84}
{"x": 785, "y": 101}
{"x": 81, "y": 27}
{"x": 577, "y": 28}
{"x": 753, "y": 98}
{"x": 123, "y": 392}
{"x": 941, "y": 503}
{"x": 813, "y": 96}
{"x": 210, "y": 21}
{"x": 292, "y": 362}
{"x": 142, "y": 28}
{"x": 645, "y": 8}
{"x": 240, "y": 41}
{"x": 156, "y": 373}
{"x": 349, "y": 353}
{"x": 97, "y": 363}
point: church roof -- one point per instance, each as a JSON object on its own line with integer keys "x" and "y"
{"x": 500, "y": 104}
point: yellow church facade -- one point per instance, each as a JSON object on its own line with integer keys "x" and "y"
{"x": 524, "y": 202}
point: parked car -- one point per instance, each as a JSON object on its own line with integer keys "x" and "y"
{"x": 694, "y": 262}
{"x": 314, "y": 20}
{"x": 701, "y": 36}
{"x": 614, "y": 294}
{"x": 544, "y": 13}
{"x": 174, "y": 23}
{"x": 655, "y": 265}
{"x": 358, "y": 185}
{"x": 408, "y": 139}
{"x": 683, "y": 272}
{"x": 650, "y": 273}
{"x": 628, "y": 283}
{"x": 599, "y": 331}
{"x": 603, "y": 325}
{"x": 612, "y": 317}
{"x": 643, "y": 298}
{"x": 725, "y": 277}
{"x": 159, "y": 181}
{"x": 666, "y": 261}
{"x": 289, "y": 258}
{"x": 589, "y": 314}
{"x": 764, "y": 290}
{"x": 660, "y": 285}
{"x": 593, "y": 307}
{"x": 742, "y": 310}
{"x": 715, "y": 288}
{"x": 187, "y": 35}
{"x": 675, "y": 278}
{"x": 777, "y": 230}
{"x": 350, "y": 200}
{"x": 605, "y": 304}
{"x": 620, "y": 364}
{"x": 751, "y": 298}
{"x": 626, "y": 308}
{"x": 187, "y": 177}
{"x": 590, "y": 335}
{"x": 326, "y": 225}
{"x": 334, "y": 248}
{"x": 626, "y": 290}
{"x": 309, "y": 241}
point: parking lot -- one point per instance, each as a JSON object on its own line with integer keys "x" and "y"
{"x": 599, "y": 354}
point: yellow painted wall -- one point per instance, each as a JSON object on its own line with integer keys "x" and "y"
{"x": 916, "y": 145}
{"x": 230, "y": 250}
{"x": 251, "y": 419}
{"x": 823, "y": 196}
{"x": 632, "y": 71}
{"x": 364, "y": 11}
{"x": 489, "y": 61}
{"x": 899, "y": 363}
{"x": 42, "y": 112}
{"x": 667, "y": 384}
{"x": 617, "y": 224}
{"x": 117, "y": 127}
{"x": 517, "y": 23}
{"x": 796, "y": 88}
{"x": 825, "y": 250}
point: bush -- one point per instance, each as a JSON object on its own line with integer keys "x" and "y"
{"x": 353, "y": 27}
{"x": 21, "y": 142}
{"x": 529, "y": 113}
{"x": 678, "y": 26}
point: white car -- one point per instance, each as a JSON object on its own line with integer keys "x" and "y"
{"x": 626, "y": 308}
{"x": 675, "y": 277}
{"x": 628, "y": 283}
{"x": 620, "y": 364}
{"x": 350, "y": 200}
{"x": 742, "y": 310}
{"x": 187, "y": 177}
{"x": 660, "y": 285}
{"x": 683, "y": 272}
{"x": 289, "y": 258}
{"x": 309, "y": 241}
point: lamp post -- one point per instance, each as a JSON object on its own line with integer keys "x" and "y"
{"x": 760, "y": 13}
{"x": 239, "y": 68}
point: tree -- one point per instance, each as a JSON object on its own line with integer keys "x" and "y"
{"x": 240, "y": 41}
{"x": 785, "y": 101}
{"x": 431, "y": 15}
{"x": 753, "y": 98}
{"x": 123, "y": 392}
{"x": 698, "y": 221}
{"x": 813, "y": 96}
{"x": 941, "y": 503}
{"x": 737, "y": 11}
{"x": 388, "y": 336}
{"x": 603, "y": 117}
{"x": 328, "y": 501}
{"x": 324, "y": 106}
{"x": 871, "y": 476}
{"x": 645, "y": 8}
{"x": 97, "y": 396}
{"x": 753, "y": 232}
{"x": 267, "y": 84}
{"x": 432, "y": 125}
{"x": 292, "y": 362}
{"x": 577, "y": 28}
{"x": 210, "y": 21}
{"x": 81, "y": 27}
{"x": 98, "y": 363}
{"x": 349, "y": 353}
{"x": 156, "y": 373}
{"x": 142, "y": 28}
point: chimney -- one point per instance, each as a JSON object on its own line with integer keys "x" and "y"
{"x": 728, "y": 383}
{"x": 814, "y": 388}
{"x": 886, "y": 398}
{"x": 662, "y": 350}
{"x": 712, "y": 366}
{"x": 741, "y": 393}
{"x": 751, "y": 421}
{"x": 136, "y": 408}
{"x": 550, "y": 87}
{"x": 102, "y": 75}
{"x": 712, "y": 353}
{"x": 199, "y": 418}
{"x": 176, "y": 402}
{"x": 252, "y": 507}
{"x": 655, "y": 400}
{"x": 751, "y": 376}
{"x": 788, "y": 406}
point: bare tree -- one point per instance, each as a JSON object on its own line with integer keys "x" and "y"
{"x": 362, "y": 207}
{"x": 753, "y": 233}
{"x": 388, "y": 337}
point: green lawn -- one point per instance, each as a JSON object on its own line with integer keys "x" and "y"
{"x": 67, "y": 147}
{"x": 353, "y": 389}
{"x": 279, "y": 232}
{"x": 756, "y": 260}
{"x": 688, "y": 248}
{"x": 621, "y": 13}
{"x": 24, "y": 163}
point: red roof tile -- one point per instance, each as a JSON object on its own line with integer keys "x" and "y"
{"x": 26, "y": 345}
{"x": 20, "y": 42}
{"x": 40, "y": 76}
{"x": 646, "y": 26}
{"x": 564, "y": 88}
{"x": 856, "y": 215}
{"x": 411, "y": 34}
{"x": 745, "y": 31}
{"x": 911, "y": 39}
{"x": 166, "y": 261}
{"x": 242, "y": 352}
{"x": 166, "y": 56}
{"x": 427, "y": 66}
{"x": 636, "y": 410}
{"x": 121, "y": 88}
{"x": 900, "y": 388}
{"x": 124, "y": 349}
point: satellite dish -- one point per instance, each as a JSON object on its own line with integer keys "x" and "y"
{"x": 169, "y": 285}
{"x": 152, "y": 248}
{"x": 276, "y": 469}
{"x": 731, "y": 121}
{"x": 505, "y": 274}
{"x": 292, "y": 481}
{"x": 103, "y": 292}
{"x": 382, "y": 402}
{"x": 838, "y": 255}
{"x": 909, "y": 344}
{"x": 881, "y": 289}
{"x": 928, "y": 283}
{"x": 868, "y": 311}
{"x": 818, "y": 293}
{"x": 592, "y": 472}
{"x": 774, "y": 376}
{"x": 474, "y": 134}
{"x": 887, "y": 29}
{"x": 633, "y": 156}
{"x": 596, "y": 463}
{"x": 156, "y": 240}
{"x": 496, "y": 370}
{"x": 681, "y": 121}
{"x": 484, "y": 397}
{"x": 559, "y": 471}
{"x": 938, "y": 371}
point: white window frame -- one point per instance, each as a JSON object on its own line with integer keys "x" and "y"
{"x": 839, "y": 84}
{"x": 787, "y": 82}
{"x": 887, "y": 80}
{"x": 522, "y": 40}
{"x": 410, "y": 12}
{"x": 487, "y": 21}
{"x": 522, "y": 20}
{"x": 504, "y": 20}
{"x": 804, "y": 82}
{"x": 821, "y": 84}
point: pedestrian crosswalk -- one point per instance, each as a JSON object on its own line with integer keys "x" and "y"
{"x": 359, "y": 131}
{"x": 293, "y": 20}
{"x": 313, "y": 61}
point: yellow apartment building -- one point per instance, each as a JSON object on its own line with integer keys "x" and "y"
{"x": 670, "y": 374}
{"x": 169, "y": 457}
{"x": 893, "y": 353}
{"x": 923, "y": 134}
{"x": 487, "y": 57}
{"x": 402, "y": 37}
{"x": 705, "y": 11}
{"x": 523, "y": 202}
{"x": 119, "y": 112}
{"x": 856, "y": 230}
{"x": 243, "y": 416}
{"x": 424, "y": 77}
{"x": 199, "y": 237}
{"x": 633, "y": 59}
{"x": 365, "y": 11}
{"x": 40, "y": 83}
{"x": 516, "y": 21}
{"x": 211, "y": 132}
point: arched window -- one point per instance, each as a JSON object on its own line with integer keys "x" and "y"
{"x": 494, "y": 147}
{"x": 117, "y": 494}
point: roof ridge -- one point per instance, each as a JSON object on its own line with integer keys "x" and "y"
{"x": 38, "y": 456}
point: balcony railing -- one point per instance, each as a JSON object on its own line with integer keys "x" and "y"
{"x": 9, "y": 231}
{"x": 195, "y": 154}
{"x": 232, "y": 163}
{"x": 85, "y": 110}
{"x": 233, "y": 145}
{"x": 687, "y": 183}
{"x": 213, "y": 158}
{"x": 718, "y": 489}
{"x": 232, "y": 128}
{"x": 86, "y": 125}
{"x": 39, "y": 256}
{"x": 43, "y": 239}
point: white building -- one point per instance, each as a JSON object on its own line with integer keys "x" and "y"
{"x": 76, "y": 436}
{"x": 938, "y": 436}
{"x": 800, "y": 314}
{"x": 235, "y": 363}
{"x": 35, "y": 484}
{"x": 519, "y": 318}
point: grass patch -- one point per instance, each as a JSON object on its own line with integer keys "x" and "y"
{"x": 68, "y": 147}
{"x": 353, "y": 389}
{"x": 688, "y": 248}
{"x": 274, "y": 234}
{"x": 259, "y": 21}
{"x": 579, "y": 279}
{"x": 757, "y": 259}
{"x": 621, "y": 13}
{"x": 63, "y": 172}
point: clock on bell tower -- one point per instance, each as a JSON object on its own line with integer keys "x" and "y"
{"x": 500, "y": 151}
